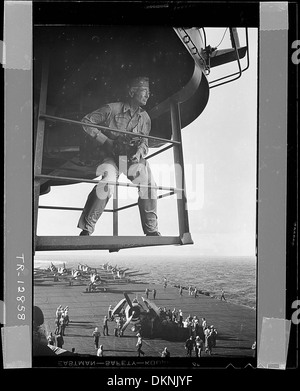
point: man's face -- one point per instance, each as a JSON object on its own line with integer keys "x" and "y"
{"x": 141, "y": 95}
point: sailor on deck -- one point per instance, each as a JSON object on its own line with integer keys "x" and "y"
{"x": 122, "y": 154}
{"x": 96, "y": 334}
{"x": 223, "y": 295}
{"x": 189, "y": 345}
{"x": 100, "y": 351}
{"x": 154, "y": 293}
{"x": 147, "y": 292}
{"x": 105, "y": 326}
{"x": 139, "y": 345}
{"x": 51, "y": 339}
{"x": 165, "y": 353}
{"x": 110, "y": 310}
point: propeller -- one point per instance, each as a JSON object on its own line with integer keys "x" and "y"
{"x": 134, "y": 310}
{"x": 118, "y": 307}
{"x": 126, "y": 323}
{"x": 96, "y": 278}
{"x": 128, "y": 300}
{"x": 76, "y": 274}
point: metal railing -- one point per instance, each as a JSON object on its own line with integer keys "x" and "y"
{"x": 239, "y": 73}
{"x": 71, "y": 121}
{"x": 105, "y": 210}
{"x": 125, "y": 184}
{"x": 171, "y": 190}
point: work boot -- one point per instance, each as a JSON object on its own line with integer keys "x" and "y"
{"x": 84, "y": 233}
{"x": 156, "y": 233}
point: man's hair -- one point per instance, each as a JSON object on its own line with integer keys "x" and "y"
{"x": 140, "y": 81}
{"x": 136, "y": 83}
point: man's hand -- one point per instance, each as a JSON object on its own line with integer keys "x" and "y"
{"x": 109, "y": 145}
{"x": 136, "y": 157}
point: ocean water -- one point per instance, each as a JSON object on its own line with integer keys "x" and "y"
{"x": 235, "y": 275}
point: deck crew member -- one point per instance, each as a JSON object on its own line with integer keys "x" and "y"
{"x": 66, "y": 315}
{"x": 51, "y": 339}
{"x": 214, "y": 336}
{"x": 56, "y": 331}
{"x": 118, "y": 328}
{"x": 174, "y": 315}
{"x": 100, "y": 351}
{"x": 180, "y": 318}
{"x": 180, "y": 290}
{"x": 198, "y": 346}
{"x": 223, "y": 295}
{"x": 207, "y": 334}
{"x": 165, "y": 282}
{"x": 209, "y": 343}
{"x": 62, "y": 325}
{"x": 165, "y": 353}
{"x": 59, "y": 341}
{"x": 147, "y": 292}
{"x": 189, "y": 345}
{"x": 110, "y": 310}
{"x": 96, "y": 335}
{"x": 122, "y": 154}
{"x": 105, "y": 326}
{"x": 58, "y": 312}
{"x": 139, "y": 345}
{"x": 154, "y": 293}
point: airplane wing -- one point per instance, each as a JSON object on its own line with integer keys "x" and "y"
{"x": 151, "y": 306}
{"x": 119, "y": 306}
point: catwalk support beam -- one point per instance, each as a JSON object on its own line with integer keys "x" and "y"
{"x": 39, "y": 143}
{"x": 183, "y": 220}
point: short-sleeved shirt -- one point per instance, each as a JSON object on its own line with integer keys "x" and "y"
{"x": 118, "y": 116}
{"x": 199, "y": 344}
{"x": 96, "y": 334}
{"x": 189, "y": 343}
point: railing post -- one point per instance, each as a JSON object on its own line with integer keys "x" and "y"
{"x": 115, "y": 212}
{"x": 183, "y": 220}
{"x": 39, "y": 142}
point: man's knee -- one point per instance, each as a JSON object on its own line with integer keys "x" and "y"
{"x": 140, "y": 174}
{"x": 105, "y": 188}
{"x": 104, "y": 191}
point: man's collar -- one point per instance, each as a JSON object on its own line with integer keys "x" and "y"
{"x": 127, "y": 107}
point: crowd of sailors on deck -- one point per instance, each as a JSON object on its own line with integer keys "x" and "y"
{"x": 201, "y": 336}
{"x": 61, "y": 322}
{"x": 199, "y": 343}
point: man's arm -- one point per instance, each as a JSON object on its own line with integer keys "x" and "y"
{"x": 145, "y": 130}
{"x": 143, "y": 148}
{"x": 97, "y": 117}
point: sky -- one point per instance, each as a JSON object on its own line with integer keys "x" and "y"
{"x": 220, "y": 153}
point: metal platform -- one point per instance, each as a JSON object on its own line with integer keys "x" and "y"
{"x": 112, "y": 243}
